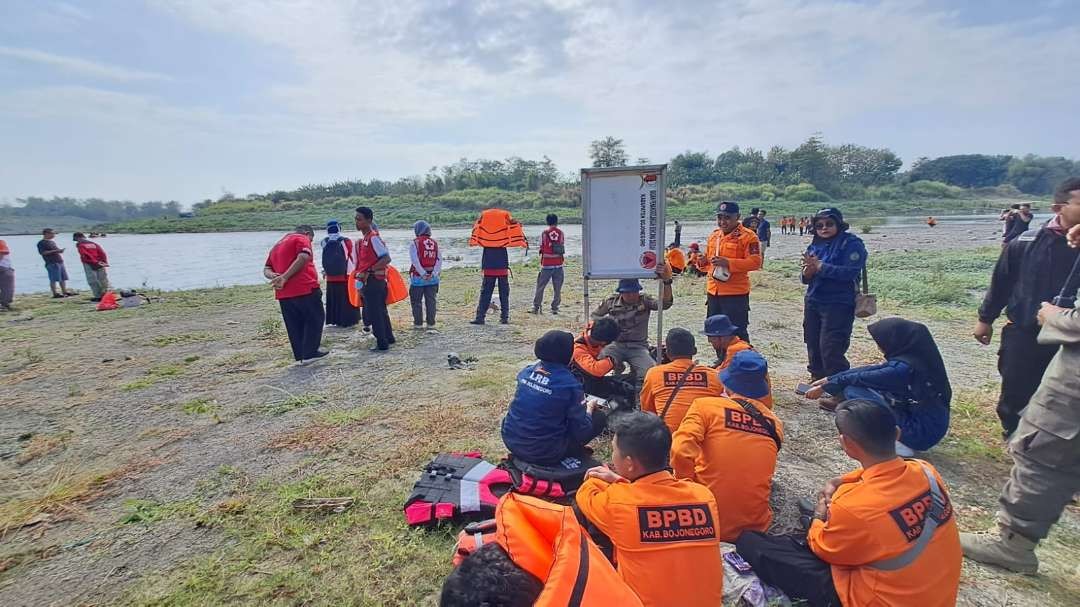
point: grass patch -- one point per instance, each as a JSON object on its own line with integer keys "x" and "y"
{"x": 345, "y": 417}
{"x": 939, "y": 278}
{"x": 292, "y": 403}
{"x": 182, "y": 338}
{"x": 974, "y": 428}
{"x": 153, "y": 376}
{"x": 147, "y": 511}
{"x": 199, "y": 406}
{"x": 270, "y": 328}
{"x": 40, "y": 445}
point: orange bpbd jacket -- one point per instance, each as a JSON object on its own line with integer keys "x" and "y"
{"x": 736, "y": 346}
{"x": 664, "y": 532}
{"x": 676, "y": 259}
{"x": 720, "y": 446}
{"x": 743, "y": 252}
{"x": 661, "y": 380}
{"x": 546, "y": 540}
{"x": 876, "y": 514}
{"x": 585, "y": 356}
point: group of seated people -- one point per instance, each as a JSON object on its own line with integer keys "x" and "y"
{"x": 694, "y": 468}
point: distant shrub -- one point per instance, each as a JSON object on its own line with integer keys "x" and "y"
{"x": 933, "y": 189}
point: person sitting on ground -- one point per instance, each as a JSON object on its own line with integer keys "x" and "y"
{"x": 883, "y": 534}
{"x": 663, "y": 528}
{"x": 734, "y": 427}
{"x": 547, "y": 421}
{"x": 912, "y": 382}
{"x": 540, "y": 557}
{"x": 592, "y": 368}
{"x": 675, "y": 258}
{"x": 670, "y": 388}
{"x": 631, "y": 310}
{"x": 696, "y": 263}
{"x": 723, "y": 337}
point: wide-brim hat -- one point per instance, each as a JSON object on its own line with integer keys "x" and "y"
{"x": 746, "y": 375}
{"x": 719, "y": 325}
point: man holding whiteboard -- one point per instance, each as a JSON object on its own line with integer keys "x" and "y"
{"x": 631, "y": 310}
{"x": 733, "y": 252}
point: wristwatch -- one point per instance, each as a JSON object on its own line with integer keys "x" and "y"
{"x": 668, "y": 281}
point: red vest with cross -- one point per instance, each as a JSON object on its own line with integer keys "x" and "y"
{"x": 427, "y": 251}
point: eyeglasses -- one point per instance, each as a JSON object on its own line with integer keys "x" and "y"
{"x": 821, "y": 225}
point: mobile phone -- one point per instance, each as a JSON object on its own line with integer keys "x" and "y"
{"x": 736, "y": 560}
{"x": 802, "y": 388}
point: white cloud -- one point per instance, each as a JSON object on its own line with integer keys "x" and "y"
{"x": 82, "y": 67}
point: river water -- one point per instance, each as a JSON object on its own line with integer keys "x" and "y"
{"x": 189, "y": 261}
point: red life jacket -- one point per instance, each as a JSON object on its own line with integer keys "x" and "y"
{"x": 549, "y": 237}
{"x": 365, "y": 254}
{"x": 427, "y": 251}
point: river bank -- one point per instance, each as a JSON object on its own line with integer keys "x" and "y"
{"x": 150, "y": 455}
{"x": 171, "y": 262}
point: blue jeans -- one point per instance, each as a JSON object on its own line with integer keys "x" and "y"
{"x": 921, "y": 426}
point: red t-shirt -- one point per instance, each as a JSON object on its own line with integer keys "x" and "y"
{"x": 281, "y": 257}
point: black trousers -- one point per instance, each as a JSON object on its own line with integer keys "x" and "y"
{"x": 827, "y": 334}
{"x": 1021, "y": 362}
{"x": 735, "y": 307}
{"x": 608, "y": 386}
{"x": 487, "y": 289}
{"x": 375, "y": 312}
{"x": 426, "y": 296}
{"x": 786, "y": 562}
{"x": 304, "y": 317}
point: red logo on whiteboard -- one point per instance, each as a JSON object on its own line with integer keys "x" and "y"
{"x": 648, "y": 260}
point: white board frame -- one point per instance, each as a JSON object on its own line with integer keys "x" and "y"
{"x": 587, "y": 175}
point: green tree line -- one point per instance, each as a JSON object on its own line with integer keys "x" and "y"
{"x": 93, "y": 209}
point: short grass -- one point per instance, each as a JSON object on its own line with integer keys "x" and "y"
{"x": 40, "y": 445}
{"x": 58, "y": 497}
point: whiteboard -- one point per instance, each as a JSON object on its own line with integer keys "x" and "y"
{"x": 622, "y": 233}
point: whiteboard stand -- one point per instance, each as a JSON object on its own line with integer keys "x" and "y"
{"x": 622, "y": 217}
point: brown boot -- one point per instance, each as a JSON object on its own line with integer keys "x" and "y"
{"x": 1008, "y": 550}
{"x": 828, "y": 403}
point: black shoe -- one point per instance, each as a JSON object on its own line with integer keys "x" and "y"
{"x": 317, "y": 355}
{"x": 504, "y": 321}
{"x": 391, "y": 341}
{"x": 477, "y": 321}
{"x": 378, "y": 349}
{"x": 58, "y": 296}
{"x": 555, "y": 312}
{"x": 95, "y": 299}
{"x": 535, "y": 311}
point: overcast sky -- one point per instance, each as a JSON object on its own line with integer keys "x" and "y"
{"x": 184, "y": 100}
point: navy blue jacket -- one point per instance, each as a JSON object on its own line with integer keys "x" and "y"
{"x": 764, "y": 231}
{"x": 893, "y": 377}
{"x": 842, "y": 260}
{"x": 546, "y": 415}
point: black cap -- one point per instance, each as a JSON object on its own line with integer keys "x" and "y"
{"x": 555, "y": 347}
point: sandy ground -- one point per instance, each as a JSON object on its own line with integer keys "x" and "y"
{"x": 170, "y": 403}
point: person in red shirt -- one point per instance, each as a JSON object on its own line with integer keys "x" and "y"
{"x": 94, "y": 261}
{"x": 883, "y": 534}
{"x": 291, "y": 271}
{"x": 372, "y": 258}
{"x": 552, "y": 250}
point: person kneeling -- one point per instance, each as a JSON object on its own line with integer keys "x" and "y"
{"x": 912, "y": 382}
{"x": 540, "y": 556}
{"x": 737, "y": 427}
{"x": 547, "y": 421}
{"x": 663, "y": 529}
{"x": 592, "y": 368}
{"x": 883, "y": 534}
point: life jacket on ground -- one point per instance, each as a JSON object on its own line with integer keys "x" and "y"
{"x": 550, "y": 482}
{"x": 108, "y": 302}
{"x": 496, "y": 228}
{"x": 456, "y": 487}
{"x": 546, "y": 540}
{"x": 427, "y": 251}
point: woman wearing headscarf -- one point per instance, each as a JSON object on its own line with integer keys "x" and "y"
{"x": 336, "y": 263}
{"x": 831, "y": 267}
{"x": 547, "y": 421}
{"x": 912, "y": 381}
{"x": 424, "y": 275}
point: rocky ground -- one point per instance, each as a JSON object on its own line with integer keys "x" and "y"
{"x": 151, "y": 456}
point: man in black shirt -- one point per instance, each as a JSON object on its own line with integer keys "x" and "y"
{"x": 1032, "y": 269}
{"x": 54, "y": 263}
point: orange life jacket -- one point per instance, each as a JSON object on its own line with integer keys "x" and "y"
{"x": 396, "y": 290}
{"x": 546, "y": 540}
{"x": 496, "y": 228}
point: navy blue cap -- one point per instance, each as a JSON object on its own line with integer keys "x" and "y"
{"x": 729, "y": 207}
{"x": 746, "y": 375}
{"x": 719, "y": 325}
{"x": 332, "y": 222}
{"x": 629, "y": 285}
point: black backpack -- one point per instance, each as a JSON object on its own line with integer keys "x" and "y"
{"x": 334, "y": 261}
